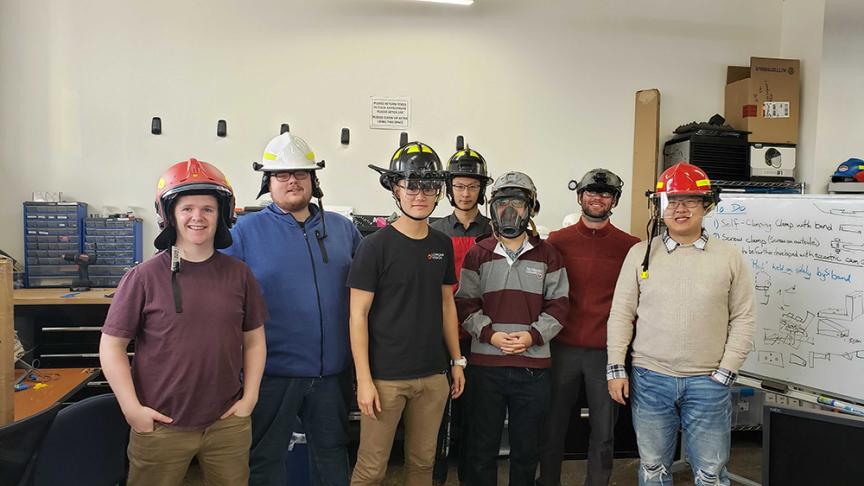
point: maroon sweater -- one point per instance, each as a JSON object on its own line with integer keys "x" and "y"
{"x": 530, "y": 295}
{"x": 593, "y": 260}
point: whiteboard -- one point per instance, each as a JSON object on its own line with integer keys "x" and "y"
{"x": 806, "y": 254}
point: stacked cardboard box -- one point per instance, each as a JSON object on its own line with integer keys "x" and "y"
{"x": 764, "y": 99}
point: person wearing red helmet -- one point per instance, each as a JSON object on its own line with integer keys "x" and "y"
{"x": 197, "y": 317}
{"x": 695, "y": 311}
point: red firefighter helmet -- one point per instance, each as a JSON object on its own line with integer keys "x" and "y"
{"x": 684, "y": 179}
{"x": 187, "y": 178}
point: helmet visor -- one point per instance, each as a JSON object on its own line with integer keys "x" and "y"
{"x": 429, "y": 187}
{"x": 671, "y": 204}
{"x": 605, "y": 192}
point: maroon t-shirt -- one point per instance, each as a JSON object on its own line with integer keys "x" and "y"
{"x": 187, "y": 366}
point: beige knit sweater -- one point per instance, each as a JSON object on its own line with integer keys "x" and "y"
{"x": 695, "y": 310}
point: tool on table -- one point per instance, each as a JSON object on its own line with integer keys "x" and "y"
{"x": 83, "y": 260}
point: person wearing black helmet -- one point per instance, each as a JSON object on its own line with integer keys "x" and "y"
{"x": 513, "y": 290}
{"x": 593, "y": 251}
{"x": 403, "y": 324}
{"x": 197, "y": 317}
{"x": 466, "y": 189}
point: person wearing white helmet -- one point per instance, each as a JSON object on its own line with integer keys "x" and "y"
{"x": 300, "y": 255}
{"x": 513, "y": 290}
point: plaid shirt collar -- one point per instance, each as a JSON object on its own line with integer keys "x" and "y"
{"x": 671, "y": 244}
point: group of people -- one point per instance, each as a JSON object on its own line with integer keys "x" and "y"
{"x": 245, "y": 331}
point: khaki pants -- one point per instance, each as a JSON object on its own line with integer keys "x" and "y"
{"x": 422, "y": 400}
{"x": 161, "y": 457}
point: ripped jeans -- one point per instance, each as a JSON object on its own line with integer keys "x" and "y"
{"x": 700, "y": 406}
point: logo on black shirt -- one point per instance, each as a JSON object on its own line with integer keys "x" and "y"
{"x": 433, "y": 256}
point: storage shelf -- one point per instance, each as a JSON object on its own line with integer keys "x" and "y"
{"x": 744, "y": 185}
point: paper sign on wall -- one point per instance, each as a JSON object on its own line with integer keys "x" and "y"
{"x": 390, "y": 113}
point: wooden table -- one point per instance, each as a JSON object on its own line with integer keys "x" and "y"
{"x": 55, "y": 297}
{"x": 61, "y": 383}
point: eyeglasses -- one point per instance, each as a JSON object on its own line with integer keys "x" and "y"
{"x": 688, "y": 202}
{"x": 413, "y": 187}
{"x": 463, "y": 187}
{"x": 285, "y": 176}
{"x": 602, "y": 195}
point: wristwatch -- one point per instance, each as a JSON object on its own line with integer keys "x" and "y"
{"x": 462, "y": 361}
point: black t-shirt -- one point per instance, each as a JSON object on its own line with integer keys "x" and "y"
{"x": 406, "y": 338}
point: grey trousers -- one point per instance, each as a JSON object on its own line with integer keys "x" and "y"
{"x": 571, "y": 368}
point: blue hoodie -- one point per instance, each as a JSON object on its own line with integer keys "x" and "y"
{"x": 307, "y": 299}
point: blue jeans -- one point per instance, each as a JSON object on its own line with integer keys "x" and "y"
{"x": 497, "y": 391}
{"x": 322, "y": 406}
{"x": 700, "y": 406}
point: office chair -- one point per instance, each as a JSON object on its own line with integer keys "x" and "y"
{"x": 86, "y": 445}
{"x": 19, "y": 441}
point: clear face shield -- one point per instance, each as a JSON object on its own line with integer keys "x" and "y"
{"x": 511, "y": 214}
{"x": 678, "y": 205}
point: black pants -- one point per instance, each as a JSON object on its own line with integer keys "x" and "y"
{"x": 322, "y": 405}
{"x": 453, "y": 430}
{"x": 523, "y": 395}
{"x": 571, "y": 368}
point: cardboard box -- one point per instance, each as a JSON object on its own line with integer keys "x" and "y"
{"x": 764, "y": 99}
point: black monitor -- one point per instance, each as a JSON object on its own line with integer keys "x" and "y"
{"x": 811, "y": 447}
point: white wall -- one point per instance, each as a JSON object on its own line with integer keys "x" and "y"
{"x": 545, "y": 86}
{"x": 801, "y": 38}
{"x": 840, "y": 121}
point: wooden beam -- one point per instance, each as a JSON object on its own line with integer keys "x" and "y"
{"x": 646, "y": 148}
{"x": 7, "y": 344}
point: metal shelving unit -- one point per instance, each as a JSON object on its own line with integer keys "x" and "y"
{"x": 757, "y": 187}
